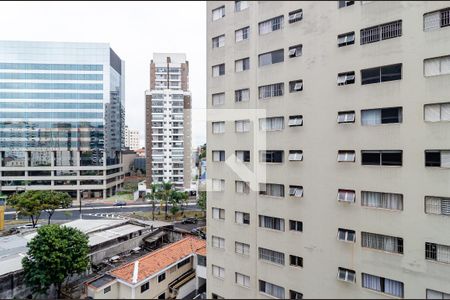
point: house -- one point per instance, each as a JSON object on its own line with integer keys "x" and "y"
{"x": 174, "y": 271}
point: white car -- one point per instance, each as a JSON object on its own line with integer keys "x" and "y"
{"x": 28, "y": 226}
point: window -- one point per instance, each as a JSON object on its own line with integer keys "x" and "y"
{"x": 437, "y": 66}
{"x": 161, "y": 277}
{"x": 382, "y": 200}
{"x": 270, "y": 58}
{"x": 145, "y": 287}
{"x": 271, "y": 223}
{"x": 242, "y": 279}
{"x": 271, "y": 25}
{"x": 242, "y": 248}
{"x": 162, "y": 296}
{"x": 437, "y": 205}
{"x": 381, "y": 74}
{"x": 346, "y": 117}
{"x": 342, "y": 4}
{"x": 295, "y": 86}
{"x": 218, "y": 13}
{"x": 295, "y": 51}
{"x": 437, "y": 19}
{"x": 242, "y": 64}
{"x": 107, "y": 289}
{"x": 215, "y": 296}
{"x": 346, "y": 195}
{"x": 438, "y": 112}
{"x": 432, "y": 294}
{"x": 390, "y": 115}
{"x": 243, "y": 155}
{"x": 218, "y": 41}
{"x": 218, "y": 127}
{"x": 242, "y": 95}
{"x": 346, "y": 235}
{"x": 436, "y": 252}
{"x": 346, "y": 78}
{"x": 218, "y": 272}
{"x": 437, "y": 158}
{"x": 242, "y": 34}
{"x": 218, "y": 155}
{"x": 271, "y": 189}
{"x": 271, "y": 255}
{"x": 346, "y": 275}
{"x": 218, "y": 213}
{"x": 271, "y": 90}
{"x": 218, "y": 242}
{"x": 346, "y": 39}
{"x": 218, "y": 185}
{"x": 295, "y": 155}
{"x": 183, "y": 262}
{"x": 242, "y": 125}
{"x": 295, "y": 16}
{"x": 242, "y": 187}
{"x": 382, "y": 242}
{"x": 295, "y": 295}
{"x": 295, "y": 191}
{"x": 218, "y": 70}
{"x": 240, "y": 5}
{"x": 295, "y": 225}
{"x": 271, "y": 124}
{"x": 242, "y": 218}
{"x": 346, "y": 156}
{"x": 218, "y": 99}
{"x": 383, "y": 285}
{"x": 271, "y": 289}
{"x": 295, "y": 261}
{"x": 381, "y": 157}
{"x": 271, "y": 156}
{"x": 295, "y": 121}
{"x": 381, "y": 32}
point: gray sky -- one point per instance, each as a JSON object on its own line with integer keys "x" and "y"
{"x": 134, "y": 29}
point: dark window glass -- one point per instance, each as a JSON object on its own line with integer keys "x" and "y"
{"x": 391, "y": 158}
{"x": 295, "y": 295}
{"x": 430, "y": 251}
{"x": 432, "y": 159}
{"x": 162, "y": 296}
{"x": 370, "y": 76}
{"x": 296, "y": 261}
{"x": 272, "y": 156}
{"x": 370, "y": 158}
{"x": 145, "y": 287}
{"x": 392, "y": 72}
{"x": 391, "y": 115}
{"x": 162, "y": 277}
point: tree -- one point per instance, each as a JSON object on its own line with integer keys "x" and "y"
{"x": 52, "y": 200}
{"x": 55, "y": 254}
{"x": 201, "y": 202}
{"x": 153, "y": 196}
{"x": 28, "y": 203}
{"x": 165, "y": 193}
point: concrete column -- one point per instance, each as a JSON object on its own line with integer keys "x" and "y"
{"x": 104, "y": 194}
{"x": 78, "y": 196}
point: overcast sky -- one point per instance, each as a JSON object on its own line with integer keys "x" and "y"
{"x": 134, "y": 30}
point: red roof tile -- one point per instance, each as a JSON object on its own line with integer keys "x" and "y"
{"x": 160, "y": 259}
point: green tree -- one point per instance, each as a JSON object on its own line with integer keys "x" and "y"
{"x": 52, "y": 200}
{"x": 153, "y": 196}
{"x": 54, "y": 255}
{"x": 165, "y": 193}
{"x": 28, "y": 204}
{"x": 201, "y": 202}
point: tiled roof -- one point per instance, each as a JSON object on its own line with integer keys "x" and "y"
{"x": 160, "y": 259}
{"x": 202, "y": 251}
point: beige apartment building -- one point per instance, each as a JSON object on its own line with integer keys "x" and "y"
{"x": 328, "y": 149}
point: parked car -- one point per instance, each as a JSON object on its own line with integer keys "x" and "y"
{"x": 28, "y": 226}
{"x": 189, "y": 221}
{"x": 120, "y": 203}
{"x": 198, "y": 232}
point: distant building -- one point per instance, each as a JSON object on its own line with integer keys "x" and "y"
{"x": 132, "y": 140}
{"x": 177, "y": 271}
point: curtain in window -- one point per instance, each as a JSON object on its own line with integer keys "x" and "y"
{"x": 445, "y": 159}
{"x": 239, "y": 35}
{"x": 445, "y": 112}
{"x": 371, "y": 117}
{"x": 245, "y": 95}
{"x": 216, "y": 156}
{"x": 433, "y": 113}
{"x": 432, "y": 67}
{"x": 265, "y": 27}
{"x": 393, "y": 287}
{"x": 215, "y": 213}
{"x": 390, "y": 244}
{"x": 277, "y": 123}
{"x": 432, "y": 21}
{"x": 239, "y": 217}
{"x": 239, "y": 187}
{"x": 239, "y": 65}
{"x": 445, "y": 65}
{"x": 371, "y": 282}
{"x": 392, "y": 201}
{"x": 443, "y": 253}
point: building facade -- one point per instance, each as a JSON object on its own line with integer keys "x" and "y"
{"x": 168, "y": 121}
{"x": 132, "y": 138}
{"x": 339, "y": 111}
{"x": 61, "y": 118}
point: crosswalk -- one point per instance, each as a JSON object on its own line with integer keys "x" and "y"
{"x": 106, "y": 215}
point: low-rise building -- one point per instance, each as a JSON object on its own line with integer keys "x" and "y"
{"x": 175, "y": 271}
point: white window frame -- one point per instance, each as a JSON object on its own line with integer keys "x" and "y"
{"x": 242, "y": 248}
{"x": 343, "y": 78}
{"x": 348, "y": 196}
{"x": 217, "y": 242}
{"x": 216, "y": 155}
{"x": 242, "y": 187}
{"x": 218, "y": 41}
{"x": 218, "y": 13}
{"x": 240, "y": 5}
{"x": 295, "y": 51}
{"x": 218, "y": 127}
{"x": 218, "y": 185}
{"x": 241, "y": 33}
{"x": 242, "y": 280}
{"x": 218, "y": 99}
{"x": 346, "y": 156}
{"x": 242, "y": 126}
{"x": 295, "y": 191}
{"x": 346, "y": 117}
{"x": 267, "y": 26}
{"x": 239, "y": 65}
{"x": 295, "y": 17}
{"x": 345, "y": 38}
{"x": 349, "y": 275}
{"x": 218, "y": 213}
{"x": 216, "y": 70}
{"x": 346, "y": 235}
{"x": 218, "y": 272}
{"x": 295, "y": 156}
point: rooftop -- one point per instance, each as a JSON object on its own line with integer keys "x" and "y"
{"x": 156, "y": 261}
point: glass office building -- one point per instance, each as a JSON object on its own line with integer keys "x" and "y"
{"x": 61, "y": 118}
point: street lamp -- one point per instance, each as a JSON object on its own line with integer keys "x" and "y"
{"x": 81, "y": 196}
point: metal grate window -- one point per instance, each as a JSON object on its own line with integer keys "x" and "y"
{"x": 381, "y": 32}
{"x": 445, "y": 18}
